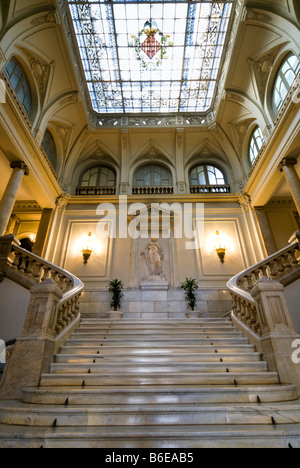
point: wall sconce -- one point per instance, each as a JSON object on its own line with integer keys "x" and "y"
{"x": 88, "y": 248}
{"x": 33, "y": 238}
{"x": 220, "y": 247}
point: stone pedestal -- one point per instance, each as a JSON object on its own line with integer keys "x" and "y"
{"x": 155, "y": 283}
{"x": 278, "y": 334}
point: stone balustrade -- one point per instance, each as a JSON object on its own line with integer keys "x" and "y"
{"x": 28, "y": 270}
{"x": 157, "y": 190}
{"x": 210, "y": 189}
{"x": 276, "y": 267}
{"x": 53, "y": 313}
{"x": 282, "y": 267}
{"x": 95, "y": 191}
{"x": 260, "y": 309}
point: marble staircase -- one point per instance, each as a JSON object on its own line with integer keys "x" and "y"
{"x": 155, "y": 384}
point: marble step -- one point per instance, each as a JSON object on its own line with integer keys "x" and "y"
{"x": 108, "y": 335}
{"x": 162, "y": 323}
{"x": 77, "y": 368}
{"x": 151, "y": 378}
{"x": 155, "y": 350}
{"x": 147, "y": 343}
{"x": 156, "y": 329}
{"x": 177, "y": 394}
{"x": 193, "y": 437}
{"x": 21, "y": 414}
{"x": 158, "y": 359}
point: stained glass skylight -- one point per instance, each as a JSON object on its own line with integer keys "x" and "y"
{"x": 151, "y": 56}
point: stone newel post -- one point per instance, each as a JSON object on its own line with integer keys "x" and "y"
{"x": 278, "y": 332}
{"x": 10, "y": 195}
{"x": 34, "y": 350}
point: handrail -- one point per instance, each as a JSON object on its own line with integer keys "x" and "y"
{"x": 32, "y": 269}
{"x": 278, "y": 266}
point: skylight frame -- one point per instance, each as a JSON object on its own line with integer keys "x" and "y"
{"x": 187, "y": 87}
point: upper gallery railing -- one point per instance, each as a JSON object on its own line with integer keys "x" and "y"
{"x": 95, "y": 191}
{"x": 210, "y": 189}
{"x": 155, "y": 190}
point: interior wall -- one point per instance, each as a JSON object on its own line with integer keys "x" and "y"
{"x": 121, "y": 257}
{"x": 13, "y": 309}
{"x": 292, "y": 298}
{"x": 281, "y": 214}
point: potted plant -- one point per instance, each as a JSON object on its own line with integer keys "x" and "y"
{"x": 190, "y": 286}
{"x": 116, "y": 289}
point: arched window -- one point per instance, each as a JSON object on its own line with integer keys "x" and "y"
{"x": 153, "y": 176}
{"x": 153, "y": 180}
{"x": 98, "y": 180}
{"x": 205, "y": 175}
{"x": 99, "y": 176}
{"x": 256, "y": 144}
{"x": 20, "y": 84}
{"x": 285, "y": 78}
{"x": 50, "y": 148}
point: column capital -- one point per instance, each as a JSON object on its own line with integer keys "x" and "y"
{"x": 20, "y": 165}
{"x": 244, "y": 201}
{"x": 287, "y": 162}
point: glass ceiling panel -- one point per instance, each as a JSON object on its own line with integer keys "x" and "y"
{"x": 145, "y": 57}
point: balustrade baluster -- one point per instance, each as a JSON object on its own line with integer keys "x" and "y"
{"x": 273, "y": 268}
{"x": 250, "y": 282}
{"x": 22, "y": 267}
{"x": 287, "y": 260}
{"x": 16, "y": 262}
{"x": 30, "y": 269}
{"x": 45, "y": 274}
{"x": 294, "y": 259}
{"x": 257, "y": 274}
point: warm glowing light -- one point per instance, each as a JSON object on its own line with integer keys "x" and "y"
{"x": 220, "y": 246}
{"x": 88, "y": 248}
{"x": 33, "y": 238}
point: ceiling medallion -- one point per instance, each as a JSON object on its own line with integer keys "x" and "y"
{"x": 151, "y": 45}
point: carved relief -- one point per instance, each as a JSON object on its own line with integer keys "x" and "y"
{"x": 64, "y": 134}
{"x": 244, "y": 201}
{"x": 263, "y": 68}
{"x": 48, "y": 17}
{"x": 255, "y": 15}
{"x": 40, "y": 70}
{"x": 62, "y": 202}
{"x": 241, "y": 130}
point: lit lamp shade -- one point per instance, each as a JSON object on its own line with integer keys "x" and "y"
{"x": 220, "y": 247}
{"x": 88, "y": 248}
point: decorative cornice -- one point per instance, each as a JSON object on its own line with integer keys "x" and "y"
{"x": 27, "y": 207}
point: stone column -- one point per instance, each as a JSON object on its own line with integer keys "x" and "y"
{"x": 10, "y": 195}
{"x": 287, "y": 166}
{"x": 266, "y": 230}
{"x": 42, "y": 232}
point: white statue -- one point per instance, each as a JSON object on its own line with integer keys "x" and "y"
{"x": 154, "y": 256}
